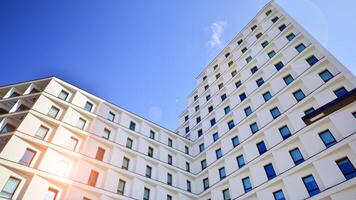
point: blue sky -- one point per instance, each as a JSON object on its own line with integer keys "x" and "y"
{"x": 145, "y": 55}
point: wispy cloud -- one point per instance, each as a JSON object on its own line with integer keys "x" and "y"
{"x": 217, "y": 29}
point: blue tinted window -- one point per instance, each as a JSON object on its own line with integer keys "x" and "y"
{"x": 238, "y": 84}
{"x": 279, "y": 65}
{"x": 296, "y": 156}
{"x": 288, "y": 79}
{"x": 311, "y": 185}
{"x": 267, "y": 96}
{"x": 282, "y": 27}
{"x": 325, "y": 75}
{"x": 278, "y": 195}
{"x": 203, "y": 164}
{"x": 248, "y": 111}
{"x": 261, "y": 147}
{"x": 222, "y": 173}
{"x": 240, "y": 161}
{"x": 271, "y": 54}
{"x": 270, "y": 171}
{"x": 200, "y": 132}
{"x": 187, "y": 129}
{"x": 327, "y": 138}
{"x": 218, "y": 153}
{"x": 247, "y": 184}
{"x": 226, "y": 194}
{"x": 259, "y": 82}
{"x": 275, "y": 112}
{"x": 340, "y": 92}
{"x": 242, "y": 96}
{"x": 198, "y": 119}
{"x": 235, "y": 141}
{"x": 223, "y": 97}
{"x": 254, "y": 127}
{"x": 264, "y": 44}
{"x": 215, "y": 136}
{"x": 312, "y": 60}
{"x": 300, "y": 47}
{"x": 210, "y": 108}
{"x": 258, "y": 35}
{"x": 212, "y": 122}
{"x": 227, "y": 109}
{"x": 346, "y": 168}
{"x": 201, "y": 147}
{"x": 231, "y": 124}
{"x": 290, "y": 36}
{"x": 298, "y": 95}
{"x": 285, "y": 132}
{"x": 254, "y": 69}
{"x": 244, "y": 50}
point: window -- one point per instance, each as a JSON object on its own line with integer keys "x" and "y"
{"x": 189, "y": 186}
{"x": 282, "y": 27}
{"x": 41, "y": 132}
{"x": 258, "y": 35}
{"x": 354, "y": 114}
{"x": 327, "y": 138}
{"x": 210, "y": 108}
{"x": 275, "y": 19}
{"x": 204, "y": 78}
{"x": 206, "y": 183}
{"x": 170, "y": 142}
{"x": 223, "y": 97}
{"x": 309, "y": 110}
{"x": 244, "y": 50}
{"x": 201, "y": 147}
{"x": 186, "y": 150}
{"x": 248, "y": 111}
{"x": 230, "y": 63}
{"x": 288, "y": 79}
{"x": 146, "y": 194}
{"x": 248, "y": 59}
{"x": 196, "y": 108}
{"x": 222, "y": 173}
{"x": 187, "y": 129}
{"x": 278, "y": 195}
{"x": 169, "y": 159}
{"x": 53, "y": 112}
{"x": 227, "y": 54}
{"x": 254, "y": 127}
{"x": 233, "y": 73}
{"x": 298, "y": 95}
{"x": 296, "y": 156}
{"x": 247, "y": 184}
{"x": 169, "y": 179}
{"x": 275, "y": 112}
{"x": 186, "y": 118}
{"x": 27, "y": 157}
{"x": 200, "y": 132}
{"x": 208, "y": 97}
{"x": 227, "y": 109}
{"x": 10, "y": 187}
{"x": 169, "y": 197}
{"x": 218, "y": 153}
{"x": 150, "y": 152}
{"x": 242, "y": 96}
{"x": 300, "y": 47}
{"x": 312, "y": 60}
{"x": 206, "y": 87}
{"x": 239, "y": 42}
{"x": 81, "y": 123}
{"x": 100, "y": 152}
{"x": 212, "y": 122}
{"x": 217, "y": 75}
{"x": 132, "y": 126}
{"x": 253, "y": 27}
{"x": 240, "y": 161}
{"x": 51, "y": 194}
{"x": 106, "y": 133}
{"x": 14, "y": 94}
{"x": 325, "y": 75}
{"x": 203, "y": 164}
{"x": 340, "y": 92}
{"x": 271, "y": 54}
{"x": 152, "y": 134}
{"x": 148, "y": 171}
{"x": 264, "y": 44}
{"x": 267, "y": 96}
{"x": 226, "y": 194}
{"x": 72, "y": 143}
{"x": 259, "y": 82}
{"x": 268, "y": 12}
{"x": 111, "y": 116}
{"x": 121, "y": 187}
{"x": 346, "y": 167}
{"x": 129, "y": 142}
{"x": 238, "y": 84}
{"x": 235, "y": 141}
{"x": 231, "y": 124}
{"x": 215, "y": 136}
{"x": 187, "y": 166}
{"x": 261, "y": 147}
{"x": 88, "y": 106}
{"x": 7, "y": 128}
{"x": 63, "y": 95}
{"x": 254, "y": 69}
{"x": 270, "y": 171}
{"x": 195, "y": 97}
{"x": 290, "y": 36}
{"x": 215, "y": 67}
{"x": 311, "y": 185}
{"x": 125, "y": 163}
{"x": 285, "y": 132}
{"x": 93, "y": 177}
{"x": 279, "y": 65}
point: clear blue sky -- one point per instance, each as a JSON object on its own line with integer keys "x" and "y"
{"x": 144, "y": 55}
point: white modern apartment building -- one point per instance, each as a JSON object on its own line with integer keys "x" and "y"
{"x": 273, "y": 116}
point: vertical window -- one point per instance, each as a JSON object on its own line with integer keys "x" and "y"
{"x": 261, "y": 147}
{"x": 240, "y": 161}
{"x": 51, "y": 194}
{"x": 340, "y": 92}
{"x": 41, "y": 132}
{"x": 235, "y": 141}
{"x": 282, "y": 27}
{"x": 63, "y": 95}
{"x": 208, "y": 97}
{"x": 226, "y": 194}
{"x": 239, "y": 42}
{"x": 242, "y": 96}
{"x": 346, "y": 167}
{"x": 150, "y": 152}
{"x": 189, "y": 186}
{"x": 300, "y": 47}
{"x": 221, "y": 85}
{"x": 267, "y": 96}
{"x": 325, "y": 75}
{"x": 106, "y": 133}
{"x": 148, "y": 171}
{"x": 121, "y": 187}
{"x": 170, "y": 159}
{"x": 10, "y": 187}
{"x": 170, "y": 142}
{"x": 260, "y": 82}
{"x": 27, "y": 157}
{"x": 288, "y": 79}
{"x": 93, "y": 177}
{"x": 129, "y": 142}
{"x": 203, "y": 164}
{"x": 204, "y": 78}
{"x": 285, "y": 132}
{"x": 187, "y": 166}
{"x": 88, "y": 106}
{"x": 81, "y": 123}
{"x": 146, "y": 194}
{"x": 222, "y": 173}
{"x": 53, "y": 112}
{"x": 218, "y": 153}
{"x": 72, "y": 143}
{"x": 278, "y": 195}
{"x": 248, "y": 111}
{"x": 230, "y": 63}
{"x": 201, "y": 147}
{"x": 200, "y": 132}
{"x": 227, "y": 109}
{"x": 125, "y": 163}
{"x": 215, "y": 136}
{"x": 111, "y": 116}
{"x": 290, "y": 36}
{"x": 231, "y": 124}
{"x": 268, "y": 12}
{"x": 254, "y": 69}
{"x": 279, "y": 65}
{"x": 198, "y": 119}
{"x": 275, "y": 112}
{"x": 186, "y": 150}
{"x": 132, "y": 126}
{"x": 210, "y": 108}
{"x": 186, "y": 118}
{"x": 270, "y": 171}
{"x": 254, "y": 127}
{"x": 298, "y": 95}
{"x": 227, "y": 54}
{"x": 206, "y": 183}
{"x": 169, "y": 179}
{"x": 311, "y": 185}
{"x": 233, "y": 73}
{"x": 212, "y": 122}
{"x": 258, "y": 35}
{"x": 152, "y": 134}
{"x": 253, "y": 27}
{"x": 297, "y": 156}
{"x": 312, "y": 60}
{"x": 100, "y": 152}
{"x": 196, "y": 96}
{"x": 246, "y": 182}
{"x": 187, "y": 129}
{"x": 327, "y": 138}
{"x": 271, "y": 54}
{"x": 169, "y": 197}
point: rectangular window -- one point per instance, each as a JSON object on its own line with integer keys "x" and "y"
{"x": 129, "y": 142}
{"x": 218, "y": 153}
{"x": 81, "y": 123}
{"x": 259, "y": 82}
{"x": 72, "y": 143}
{"x": 271, "y": 54}
{"x": 258, "y": 35}
{"x": 299, "y": 95}
{"x": 270, "y": 171}
{"x": 346, "y": 167}
{"x": 186, "y": 118}
{"x": 150, "y": 152}
{"x": 208, "y": 97}
{"x": 100, "y": 153}
{"x": 187, "y": 129}
{"x": 187, "y": 166}
{"x": 41, "y": 132}
{"x": 201, "y": 147}
{"x": 264, "y": 44}
{"x": 221, "y": 85}
{"x": 121, "y": 187}
{"x": 235, "y": 141}
{"x": 254, "y": 127}
{"x": 312, "y": 60}
{"x": 27, "y": 157}
{"x": 246, "y": 182}
{"x": 227, "y": 54}
{"x": 186, "y": 150}
{"x": 300, "y": 47}
{"x": 282, "y": 27}
{"x": 231, "y": 124}
{"x": 268, "y": 12}
{"x": 223, "y": 97}
{"x": 275, "y": 19}
{"x": 239, "y": 42}
{"x": 88, "y": 106}
{"x": 152, "y": 134}
{"x": 212, "y": 122}
{"x": 340, "y": 92}
{"x": 290, "y": 37}
{"x": 215, "y": 136}
{"x": 210, "y": 108}
{"x": 325, "y": 75}
{"x": 196, "y": 108}
{"x": 10, "y": 187}
{"x": 248, "y": 111}
{"x": 146, "y": 194}
{"x": 63, "y": 95}
{"x": 111, "y": 116}
{"x": 233, "y": 73}
{"x": 169, "y": 197}
{"x": 279, "y": 65}
{"x": 53, "y": 112}
{"x": 240, "y": 161}
{"x": 278, "y": 195}
{"x": 148, "y": 171}
{"x": 327, "y": 138}
{"x": 93, "y": 177}
{"x": 189, "y": 186}
{"x": 169, "y": 179}
{"x": 288, "y": 79}
{"x": 297, "y": 156}
{"x": 275, "y": 112}
{"x": 222, "y": 173}
{"x": 132, "y": 126}
{"x": 261, "y": 147}
{"x": 227, "y": 109}
{"x": 203, "y": 164}
{"x": 242, "y": 96}
{"x": 226, "y": 194}
{"x": 254, "y": 69}
{"x": 285, "y": 132}
{"x": 196, "y": 96}
{"x": 311, "y": 185}
{"x": 200, "y": 132}
{"x": 169, "y": 159}
{"x": 125, "y": 163}
{"x": 238, "y": 84}
{"x": 267, "y": 96}
{"x": 253, "y": 27}
{"x": 248, "y": 59}
{"x": 206, "y": 183}
{"x": 106, "y": 133}
{"x": 170, "y": 142}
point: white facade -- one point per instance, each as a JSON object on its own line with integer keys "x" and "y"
{"x": 60, "y": 142}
